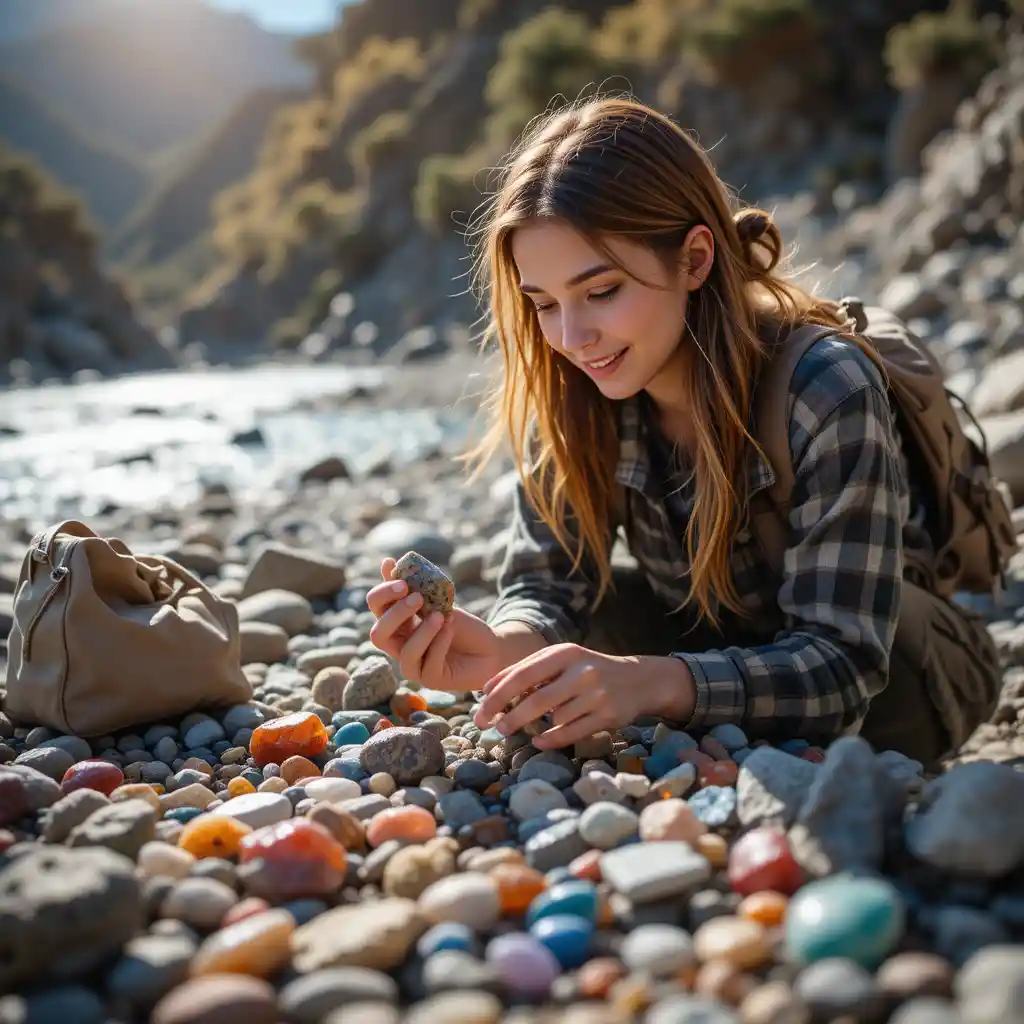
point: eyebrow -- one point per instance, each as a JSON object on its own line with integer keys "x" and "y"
{"x": 583, "y": 275}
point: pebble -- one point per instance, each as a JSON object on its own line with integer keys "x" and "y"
{"x": 469, "y": 898}
{"x": 332, "y": 790}
{"x": 258, "y": 945}
{"x": 652, "y": 871}
{"x": 566, "y": 936}
{"x": 576, "y": 897}
{"x": 66, "y": 814}
{"x": 161, "y": 859}
{"x": 671, "y": 820}
{"x": 372, "y": 683}
{"x": 406, "y": 753}
{"x": 219, "y": 999}
{"x": 199, "y": 902}
{"x": 661, "y": 949}
{"x": 739, "y": 941}
{"x": 257, "y": 809}
{"x": 605, "y": 825}
{"x": 534, "y": 798}
{"x": 523, "y": 964}
{"x": 837, "y": 987}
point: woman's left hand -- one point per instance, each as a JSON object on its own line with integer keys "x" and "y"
{"x": 585, "y": 692}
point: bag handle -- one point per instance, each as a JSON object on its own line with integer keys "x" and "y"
{"x": 42, "y": 543}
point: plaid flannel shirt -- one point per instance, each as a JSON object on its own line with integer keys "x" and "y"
{"x": 824, "y": 630}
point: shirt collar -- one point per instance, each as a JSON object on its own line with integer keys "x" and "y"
{"x": 634, "y": 465}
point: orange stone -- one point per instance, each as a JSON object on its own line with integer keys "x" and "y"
{"x": 587, "y": 866}
{"x": 296, "y": 768}
{"x": 243, "y": 909}
{"x": 413, "y": 824}
{"x": 714, "y": 848}
{"x": 384, "y": 723}
{"x": 518, "y": 886}
{"x": 277, "y": 740}
{"x": 295, "y": 839}
{"x": 697, "y": 758}
{"x": 239, "y": 786}
{"x": 404, "y": 704}
{"x": 256, "y": 945}
{"x": 721, "y": 773}
{"x": 596, "y": 977}
{"x": 766, "y": 907}
{"x": 213, "y": 835}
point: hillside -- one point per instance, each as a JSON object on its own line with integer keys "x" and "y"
{"x": 363, "y": 187}
{"x": 112, "y": 182}
{"x": 148, "y": 76}
{"x": 177, "y": 211}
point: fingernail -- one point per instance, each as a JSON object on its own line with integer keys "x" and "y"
{"x": 412, "y": 599}
{"x": 502, "y": 727}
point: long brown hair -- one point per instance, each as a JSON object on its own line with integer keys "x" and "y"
{"x": 615, "y": 167}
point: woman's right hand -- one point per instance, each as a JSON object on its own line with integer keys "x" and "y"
{"x": 458, "y": 653}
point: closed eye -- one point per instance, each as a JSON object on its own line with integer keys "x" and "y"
{"x": 607, "y": 293}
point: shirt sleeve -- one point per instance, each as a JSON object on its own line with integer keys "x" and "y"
{"x": 842, "y": 581}
{"x": 536, "y": 582}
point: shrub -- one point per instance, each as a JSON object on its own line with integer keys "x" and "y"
{"x": 383, "y": 140}
{"x": 377, "y": 61}
{"x": 552, "y": 54}
{"x": 446, "y": 188}
{"x": 936, "y": 43}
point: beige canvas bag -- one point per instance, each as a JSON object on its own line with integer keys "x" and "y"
{"x": 104, "y": 639}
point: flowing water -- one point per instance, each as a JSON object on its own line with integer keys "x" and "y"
{"x": 152, "y": 440}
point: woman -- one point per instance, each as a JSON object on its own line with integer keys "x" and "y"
{"x": 634, "y": 312}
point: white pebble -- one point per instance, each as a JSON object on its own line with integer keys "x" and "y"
{"x": 382, "y": 783}
{"x": 605, "y": 825}
{"x": 331, "y": 790}
{"x": 163, "y": 859}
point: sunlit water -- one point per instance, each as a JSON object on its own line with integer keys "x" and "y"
{"x": 156, "y": 439}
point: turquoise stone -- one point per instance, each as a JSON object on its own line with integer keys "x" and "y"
{"x": 351, "y": 733}
{"x": 183, "y": 814}
{"x": 578, "y": 898}
{"x": 858, "y": 918}
{"x": 438, "y": 700}
{"x": 567, "y": 936}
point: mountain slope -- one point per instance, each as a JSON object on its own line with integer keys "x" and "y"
{"x": 149, "y": 75}
{"x": 111, "y": 182}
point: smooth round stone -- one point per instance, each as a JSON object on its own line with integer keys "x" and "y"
{"x": 438, "y": 700}
{"x": 605, "y": 825}
{"x": 203, "y": 734}
{"x": 567, "y": 936}
{"x": 469, "y": 898}
{"x": 332, "y": 790}
{"x": 316, "y": 996}
{"x": 489, "y": 739}
{"x": 715, "y": 806}
{"x": 927, "y": 1010}
{"x": 523, "y": 964}
{"x": 690, "y": 1010}
{"x": 406, "y": 753}
{"x": 910, "y": 974}
{"x": 183, "y": 815}
{"x": 475, "y": 774}
{"x": 200, "y": 902}
{"x": 861, "y": 919}
{"x": 670, "y": 820}
{"x": 732, "y": 737}
{"x": 738, "y": 941}
{"x": 66, "y": 1003}
{"x": 218, "y": 999}
{"x": 839, "y": 987}
{"x": 157, "y": 858}
{"x": 257, "y": 809}
{"x": 577, "y": 898}
{"x": 345, "y": 768}
{"x": 662, "y": 949}
{"x": 256, "y": 945}
{"x": 447, "y": 935}
{"x": 352, "y": 733}
{"x": 382, "y": 784}
{"x": 470, "y": 1007}
{"x": 555, "y": 846}
{"x": 533, "y": 798}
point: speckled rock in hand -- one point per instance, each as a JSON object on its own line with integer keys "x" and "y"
{"x": 407, "y": 754}
{"x": 372, "y": 683}
{"x": 423, "y": 577}
{"x": 64, "y": 912}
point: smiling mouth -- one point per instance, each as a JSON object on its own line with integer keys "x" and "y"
{"x": 597, "y": 364}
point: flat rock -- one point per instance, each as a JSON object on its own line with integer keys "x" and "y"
{"x": 69, "y": 812}
{"x": 292, "y": 612}
{"x": 644, "y": 872}
{"x": 257, "y": 809}
{"x": 262, "y": 642}
{"x": 124, "y": 827}
{"x": 64, "y": 912}
{"x": 375, "y": 935}
{"x": 307, "y": 573}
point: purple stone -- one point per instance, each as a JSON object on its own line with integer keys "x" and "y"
{"x": 523, "y": 963}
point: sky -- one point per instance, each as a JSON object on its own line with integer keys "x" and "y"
{"x": 295, "y": 16}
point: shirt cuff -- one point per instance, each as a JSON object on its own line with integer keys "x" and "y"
{"x": 720, "y": 691}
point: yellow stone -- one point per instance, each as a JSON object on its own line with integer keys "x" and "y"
{"x": 137, "y": 791}
{"x": 258, "y": 945}
{"x": 736, "y": 940}
{"x": 714, "y": 848}
{"x": 239, "y": 787}
{"x": 194, "y": 795}
{"x": 273, "y": 785}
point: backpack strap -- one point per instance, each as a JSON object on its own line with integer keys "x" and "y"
{"x": 769, "y": 509}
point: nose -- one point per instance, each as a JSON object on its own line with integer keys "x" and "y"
{"x": 577, "y": 334}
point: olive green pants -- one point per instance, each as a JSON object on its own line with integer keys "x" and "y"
{"x": 944, "y": 675}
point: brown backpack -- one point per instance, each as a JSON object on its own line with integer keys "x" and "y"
{"x": 104, "y": 639}
{"x": 971, "y": 524}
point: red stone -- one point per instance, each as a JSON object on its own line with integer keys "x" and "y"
{"x": 697, "y": 758}
{"x": 14, "y": 801}
{"x": 103, "y": 776}
{"x": 275, "y": 741}
{"x": 721, "y": 773}
{"x": 760, "y": 860}
{"x": 291, "y": 859}
{"x": 384, "y": 723}
{"x": 715, "y": 748}
{"x": 813, "y": 754}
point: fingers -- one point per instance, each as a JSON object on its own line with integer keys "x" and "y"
{"x": 391, "y": 630}
{"x": 410, "y": 659}
{"x": 384, "y": 595}
{"x": 586, "y": 702}
{"x": 547, "y": 698}
{"x": 524, "y": 676}
{"x": 433, "y": 669}
{"x": 573, "y": 732}
{"x": 387, "y": 567}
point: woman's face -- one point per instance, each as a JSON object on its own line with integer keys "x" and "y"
{"x": 625, "y": 335}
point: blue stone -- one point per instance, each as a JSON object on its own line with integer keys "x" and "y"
{"x": 352, "y": 732}
{"x": 182, "y": 814}
{"x": 794, "y": 746}
{"x": 674, "y": 742}
{"x": 295, "y": 794}
{"x": 438, "y": 699}
{"x": 576, "y": 897}
{"x": 304, "y": 910}
{"x": 714, "y": 805}
{"x": 566, "y": 935}
{"x": 660, "y": 763}
{"x": 732, "y": 737}
{"x": 253, "y": 776}
{"x": 448, "y": 935}
{"x": 343, "y": 768}
{"x": 861, "y": 919}
{"x": 739, "y": 756}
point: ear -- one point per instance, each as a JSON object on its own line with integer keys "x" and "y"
{"x": 698, "y": 256}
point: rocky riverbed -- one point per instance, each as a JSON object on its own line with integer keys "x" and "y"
{"x": 346, "y": 847}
